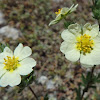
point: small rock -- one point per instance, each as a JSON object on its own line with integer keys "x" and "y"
{"x": 69, "y": 74}
{"x": 57, "y": 1}
{"x": 5, "y": 97}
{"x": 52, "y": 97}
{"x": 57, "y": 80}
{"x": 2, "y": 21}
{"x": 10, "y": 32}
{"x": 50, "y": 85}
{"x": 42, "y": 80}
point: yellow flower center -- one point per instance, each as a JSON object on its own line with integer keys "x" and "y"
{"x": 58, "y": 12}
{"x": 11, "y": 63}
{"x": 84, "y": 44}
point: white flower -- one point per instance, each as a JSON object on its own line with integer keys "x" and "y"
{"x": 63, "y": 12}
{"x": 12, "y": 65}
{"x": 82, "y": 43}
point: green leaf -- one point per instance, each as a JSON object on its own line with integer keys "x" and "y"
{"x": 98, "y": 75}
{"x": 46, "y": 97}
{"x": 83, "y": 80}
{"x": 26, "y": 81}
{"x": 78, "y": 92}
{"x": 98, "y": 81}
{"x": 2, "y": 46}
{"x": 66, "y": 24}
{"x": 94, "y": 87}
{"x": 96, "y": 9}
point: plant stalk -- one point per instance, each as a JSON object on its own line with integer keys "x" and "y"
{"x": 93, "y": 2}
{"x": 89, "y": 83}
{"x": 33, "y": 92}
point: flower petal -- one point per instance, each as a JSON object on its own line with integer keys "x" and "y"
{"x": 2, "y": 71}
{"x": 4, "y": 80}
{"x": 58, "y": 18}
{"x": 2, "y": 56}
{"x": 8, "y": 52}
{"x": 10, "y": 78}
{"x": 73, "y": 8}
{"x": 53, "y": 22}
{"x": 64, "y": 10}
{"x": 18, "y": 49}
{"x": 86, "y": 66}
{"x": 68, "y": 36}
{"x": 93, "y": 30}
{"x": 25, "y": 52}
{"x": 71, "y": 53}
{"x": 92, "y": 58}
{"x": 26, "y": 66}
{"x": 63, "y": 47}
{"x": 97, "y": 41}
{"x": 75, "y": 29}
{"x": 67, "y": 10}
{"x": 22, "y": 52}
{"x": 15, "y": 79}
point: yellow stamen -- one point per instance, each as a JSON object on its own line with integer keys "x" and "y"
{"x": 58, "y": 12}
{"x": 11, "y": 63}
{"x": 84, "y": 44}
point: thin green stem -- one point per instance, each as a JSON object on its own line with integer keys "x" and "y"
{"x": 33, "y": 92}
{"x": 89, "y": 83}
{"x": 93, "y": 2}
{"x": 65, "y": 19}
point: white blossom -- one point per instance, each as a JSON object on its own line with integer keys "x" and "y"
{"x": 82, "y": 43}
{"x": 12, "y": 65}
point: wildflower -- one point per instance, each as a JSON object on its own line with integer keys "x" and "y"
{"x": 82, "y": 44}
{"x": 62, "y": 13}
{"x": 12, "y": 65}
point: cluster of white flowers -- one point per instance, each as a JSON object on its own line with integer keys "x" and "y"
{"x": 12, "y": 65}
{"x": 80, "y": 42}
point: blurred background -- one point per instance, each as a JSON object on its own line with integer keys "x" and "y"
{"x": 26, "y": 21}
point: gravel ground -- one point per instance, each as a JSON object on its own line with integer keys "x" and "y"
{"x": 26, "y": 21}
